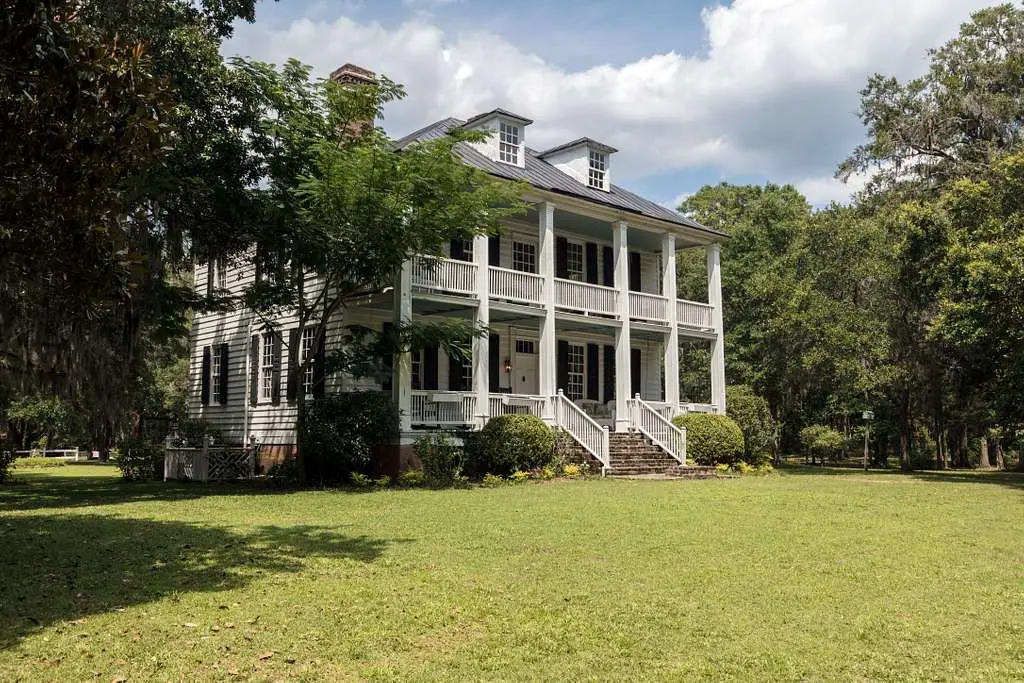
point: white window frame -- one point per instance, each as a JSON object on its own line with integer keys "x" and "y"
{"x": 467, "y": 372}
{"x": 526, "y": 346}
{"x": 416, "y": 369}
{"x": 215, "y": 397}
{"x": 269, "y": 339}
{"x": 306, "y": 353}
{"x": 508, "y": 142}
{"x": 597, "y": 170}
{"x": 524, "y": 257}
{"x": 572, "y": 251}
{"x": 576, "y": 372}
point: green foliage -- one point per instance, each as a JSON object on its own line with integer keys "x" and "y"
{"x": 511, "y": 442}
{"x": 412, "y": 478}
{"x": 140, "y": 460}
{"x": 711, "y": 438}
{"x": 339, "y": 433}
{"x": 382, "y": 482}
{"x": 36, "y": 419}
{"x": 284, "y": 473}
{"x": 37, "y": 463}
{"x": 359, "y": 480}
{"x": 822, "y": 441}
{"x": 442, "y": 460}
{"x": 753, "y": 415}
{"x": 193, "y": 432}
{"x": 572, "y": 471}
{"x": 519, "y": 476}
{"x": 546, "y": 473}
{"x": 6, "y": 459}
{"x": 492, "y": 481}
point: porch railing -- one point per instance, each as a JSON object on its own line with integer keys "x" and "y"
{"x": 442, "y": 408}
{"x": 645, "y": 306}
{"x": 585, "y": 297}
{"x": 698, "y": 408}
{"x": 583, "y": 429}
{"x": 644, "y": 418}
{"x": 694, "y": 314}
{"x": 444, "y": 275}
{"x": 515, "y": 285}
{"x": 504, "y": 404}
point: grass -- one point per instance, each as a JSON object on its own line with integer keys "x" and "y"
{"x": 804, "y": 575}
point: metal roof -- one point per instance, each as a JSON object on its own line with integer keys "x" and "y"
{"x": 590, "y": 142}
{"x": 499, "y": 112}
{"x": 545, "y": 176}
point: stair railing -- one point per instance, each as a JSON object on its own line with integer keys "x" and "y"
{"x": 652, "y": 424}
{"x": 583, "y": 429}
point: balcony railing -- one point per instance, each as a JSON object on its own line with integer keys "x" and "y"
{"x": 442, "y": 408}
{"x": 694, "y": 314}
{"x": 526, "y": 404}
{"x": 444, "y": 275}
{"x": 643, "y": 306}
{"x": 586, "y": 298}
{"x": 514, "y": 285}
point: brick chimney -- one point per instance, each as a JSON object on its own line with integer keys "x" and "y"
{"x": 350, "y": 73}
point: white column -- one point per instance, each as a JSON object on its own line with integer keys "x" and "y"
{"x": 623, "y": 382}
{"x": 714, "y": 252}
{"x": 668, "y": 290}
{"x": 548, "y": 351}
{"x": 481, "y": 343}
{"x": 401, "y": 378}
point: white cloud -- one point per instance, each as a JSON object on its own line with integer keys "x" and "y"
{"x": 677, "y": 200}
{"x": 824, "y": 190}
{"x": 774, "y": 95}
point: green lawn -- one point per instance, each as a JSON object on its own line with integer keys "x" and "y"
{"x": 796, "y": 576}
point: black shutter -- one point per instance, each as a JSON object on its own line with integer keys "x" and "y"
{"x": 388, "y": 361}
{"x": 455, "y": 372}
{"x": 634, "y": 372}
{"x": 223, "y": 379}
{"x": 494, "y": 250}
{"x": 275, "y": 378}
{"x": 457, "y": 251}
{"x": 562, "y": 369}
{"x": 593, "y": 372}
{"x": 561, "y": 257}
{"x": 254, "y": 369}
{"x": 591, "y": 258}
{"x": 608, "y": 266}
{"x": 205, "y": 391}
{"x": 293, "y": 363}
{"x": 319, "y": 368}
{"x": 609, "y": 373}
{"x": 430, "y": 368}
{"x": 258, "y": 264}
{"x": 494, "y": 363}
{"x": 209, "y": 277}
{"x": 634, "y": 271}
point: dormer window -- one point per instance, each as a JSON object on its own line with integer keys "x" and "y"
{"x": 598, "y": 167}
{"x": 508, "y": 143}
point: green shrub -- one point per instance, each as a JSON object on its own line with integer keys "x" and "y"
{"x": 546, "y": 473}
{"x": 492, "y": 481}
{"x": 6, "y": 458}
{"x": 339, "y": 433}
{"x": 36, "y": 463}
{"x": 822, "y": 442}
{"x": 572, "y": 471}
{"x": 284, "y": 473}
{"x": 191, "y": 433}
{"x": 412, "y": 478}
{"x": 510, "y": 442}
{"x": 360, "y": 480}
{"x": 711, "y": 438}
{"x": 441, "y": 458}
{"x": 754, "y": 417}
{"x": 140, "y": 460}
{"x": 382, "y": 482}
{"x": 518, "y": 477}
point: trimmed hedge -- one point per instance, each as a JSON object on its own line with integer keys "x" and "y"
{"x": 338, "y": 434}
{"x": 711, "y": 438}
{"x": 508, "y": 443}
{"x": 140, "y": 460}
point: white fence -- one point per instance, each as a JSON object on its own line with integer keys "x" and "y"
{"x": 694, "y": 314}
{"x": 585, "y": 297}
{"x": 644, "y": 418}
{"x": 211, "y": 463}
{"x": 454, "y": 408}
{"x": 583, "y": 428}
{"x": 66, "y": 453}
{"x": 505, "y": 404}
{"x": 513, "y": 285}
{"x": 444, "y": 275}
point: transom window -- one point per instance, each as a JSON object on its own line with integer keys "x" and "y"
{"x": 267, "y": 366}
{"x": 215, "y": 384}
{"x": 598, "y": 169}
{"x": 524, "y": 257}
{"x": 306, "y": 354}
{"x": 574, "y": 261}
{"x": 574, "y": 389}
{"x": 525, "y": 346}
{"x": 508, "y": 143}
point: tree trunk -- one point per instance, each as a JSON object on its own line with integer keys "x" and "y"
{"x": 905, "y": 432}
{"x": 942, "y": 448}
{"x": 997, "y": 445}
{"x": 962, "y": 459}
{"x": 983, "y": 462}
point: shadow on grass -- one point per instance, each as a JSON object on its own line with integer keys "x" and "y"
{"x": 993, "y": 477}
{"x": 64, "y": 567}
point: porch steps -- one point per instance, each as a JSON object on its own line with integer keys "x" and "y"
{"x": 635, "y": 456}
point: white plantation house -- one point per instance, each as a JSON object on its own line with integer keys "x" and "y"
{"x": 579, "y": 296}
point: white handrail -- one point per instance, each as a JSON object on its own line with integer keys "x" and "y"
{"x": 694, "y": 314}
{"x": 652, "y": 424}
{"x": 444, "y": 274}
{"x": 500, "y": 404}
{"x": 648, "y": 306}
{"x": 583, "y": 429}
{"x": 442, "y": 407}
{"x": 515, "y": 285}
{"x": 583, "y": 296}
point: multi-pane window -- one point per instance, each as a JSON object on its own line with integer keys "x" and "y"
{"x": 306, "y": 354}
{"x": 574, "y": 388}
{"x": 508, "y": 143}
{"x": 267, "y": 366}
{"x": 221, "y": 273}
{"x": 215, "y": 383}
{"x": 524, "y": 257}
{"x": 598, "y": 169}
{"x": 525, "y": 346}
{"x": 416, "y": 358}
{"x": 467, "y": 373}
{"x": 574, "y": 261}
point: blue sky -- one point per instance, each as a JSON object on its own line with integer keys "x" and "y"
{"x": 690, "y": 92}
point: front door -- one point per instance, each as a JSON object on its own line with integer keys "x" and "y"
{"x": 524, "y": 368}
